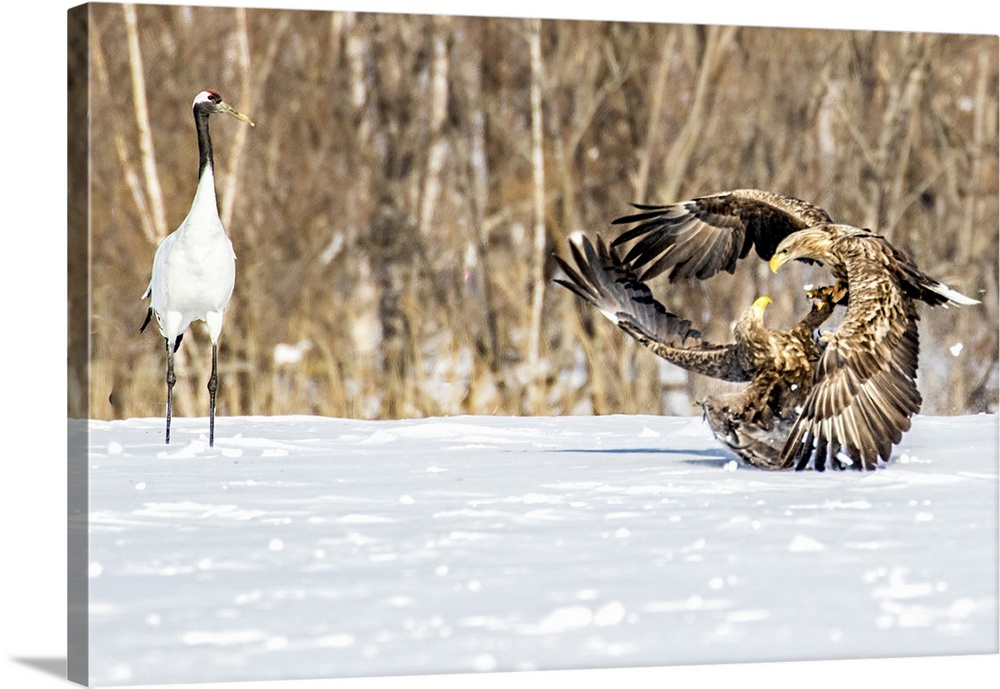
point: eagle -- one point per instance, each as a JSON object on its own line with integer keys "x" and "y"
{"x": 779, "y": 365}
{"x": 864, "y": 390}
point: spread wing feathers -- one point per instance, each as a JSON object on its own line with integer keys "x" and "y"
{"x": 601, "y": 278}
{"x": 865, "y": 390}
{"x": 919, "y": 285}
{"x": 701, "y": 236}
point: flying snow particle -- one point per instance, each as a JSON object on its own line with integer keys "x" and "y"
{"x": 956, "y": 349}
{"x": 287, "y": 354}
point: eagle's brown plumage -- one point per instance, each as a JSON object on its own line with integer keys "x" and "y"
{"x": 864, "y": 391}
{"x": 701, "y": 236}
{"x": 778, "y": 365}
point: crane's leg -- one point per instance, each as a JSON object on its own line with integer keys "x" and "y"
{"x": 171, "y": 379}
{"x": 213, "y": 385}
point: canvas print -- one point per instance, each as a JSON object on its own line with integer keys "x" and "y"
{"x": 415, "y": 344}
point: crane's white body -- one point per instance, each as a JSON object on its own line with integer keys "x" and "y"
{"x": 194, "y": 269}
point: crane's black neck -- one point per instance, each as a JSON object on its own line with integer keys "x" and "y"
{"x": 204, "y": 141}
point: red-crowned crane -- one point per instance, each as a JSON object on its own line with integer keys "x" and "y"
{"x": 194, "y": 268}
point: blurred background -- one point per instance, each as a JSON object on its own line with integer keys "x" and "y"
{"x": 396, "y": 208}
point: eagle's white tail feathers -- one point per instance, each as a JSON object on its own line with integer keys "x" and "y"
{"x": 952, "y": 295}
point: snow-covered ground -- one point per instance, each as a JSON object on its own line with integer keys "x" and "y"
{"x": 304, "y": 547}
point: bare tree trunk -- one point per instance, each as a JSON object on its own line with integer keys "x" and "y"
{"x": 469, "y": 64}
{"x": 653, "y": 132}
{"x": 142, "y": 122}
{"x": 537, "y": 396}
{"x": 365, "y": 131}
{"x": 393, "y": 275}
{"x": 438, "y": 113}
{"x": 134, "y": 185}
{"x": 230, "y": 186}
{"x": 717, "y": 42}
{"x": 128, "y": 171}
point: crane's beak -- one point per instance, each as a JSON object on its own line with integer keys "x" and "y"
{"x": 760, "y": 304}
{"x": 226, "y": 107}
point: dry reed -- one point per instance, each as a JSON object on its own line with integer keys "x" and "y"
{"x": 395, "y": 208}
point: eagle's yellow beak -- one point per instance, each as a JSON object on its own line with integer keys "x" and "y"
{"x": 760, "y": 304}
{"x": 777, "y": 261}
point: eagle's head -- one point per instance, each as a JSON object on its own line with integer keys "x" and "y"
{"x": 812, "y": 243}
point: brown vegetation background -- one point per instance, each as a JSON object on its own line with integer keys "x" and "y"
{"x": 395, "y": 209}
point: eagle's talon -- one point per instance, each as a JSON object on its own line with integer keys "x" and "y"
{"x": 828, "y": 295}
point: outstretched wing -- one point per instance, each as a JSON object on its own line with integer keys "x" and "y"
{"x": 701, "y": 236}
{"x": 865, "y": 389}
{"x": 602, "y": 279}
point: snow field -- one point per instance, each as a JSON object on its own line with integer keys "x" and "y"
{"x": 306, "y": 547}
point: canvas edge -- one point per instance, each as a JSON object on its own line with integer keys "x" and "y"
{"x": 78, "y": 340}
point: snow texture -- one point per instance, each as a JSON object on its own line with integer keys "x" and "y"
{"x": 307, "y": 547}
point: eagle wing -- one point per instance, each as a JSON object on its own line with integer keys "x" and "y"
{"x": 601, "y": 278}
{"x": 701, "y": 236}
{"x": 865, "y": 386}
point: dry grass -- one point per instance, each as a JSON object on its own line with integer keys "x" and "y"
{"x": 384, "y": 209}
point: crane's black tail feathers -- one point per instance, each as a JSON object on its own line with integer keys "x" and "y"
{"x": 149, "y": 316}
